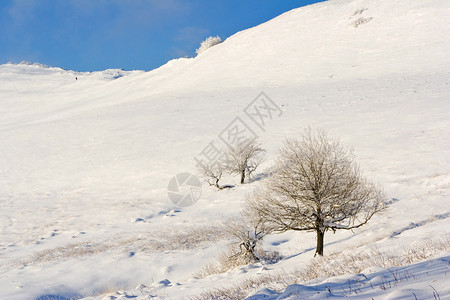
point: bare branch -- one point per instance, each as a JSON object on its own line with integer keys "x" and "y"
{"x": 244, "y": 158}
{"x": 212, "y": 173}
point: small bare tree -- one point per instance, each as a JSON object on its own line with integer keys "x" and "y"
{"x": 212, "y": 173}
{"x": 248, "y": 234}
{"x": 245, "y": 157}
{"x": 317, "y": 187}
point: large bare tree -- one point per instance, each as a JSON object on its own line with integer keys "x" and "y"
{"x": 317, "y": 187}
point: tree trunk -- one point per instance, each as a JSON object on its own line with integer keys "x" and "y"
{"x": 217, "y": 184}
{"x": 242, "y": 176}
{"x": 319, "y": 248}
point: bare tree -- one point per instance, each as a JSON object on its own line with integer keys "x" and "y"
{"x": 245, "y": 157}
{"x": 212, "y": 173}
{"x": 317, "y": 187}
{"x": 248, "y": 234}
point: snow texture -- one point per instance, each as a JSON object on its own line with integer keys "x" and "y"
{"x": 85, "y": 158}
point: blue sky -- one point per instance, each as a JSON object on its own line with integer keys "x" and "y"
{"x": 91, "y": 35}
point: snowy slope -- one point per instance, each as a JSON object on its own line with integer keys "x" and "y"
{"x": 84, "y": 164}
{"x": 419, "y": 281}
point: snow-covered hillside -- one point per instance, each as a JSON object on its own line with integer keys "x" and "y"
{"x": 85, "y": 158}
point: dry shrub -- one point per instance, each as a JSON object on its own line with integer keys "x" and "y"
{"x": 423, "y": 250}
{"x": 208, "y": 43}
{"x": 350, "y": 261}
{"x": 344, "y": 262}
{"x": 361, "y": 21}
{"x": 190, "y": 238}
{"x": 233, "y": 258}
{"x": 241, "y": 290}
{"x": 225, "y": 261}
